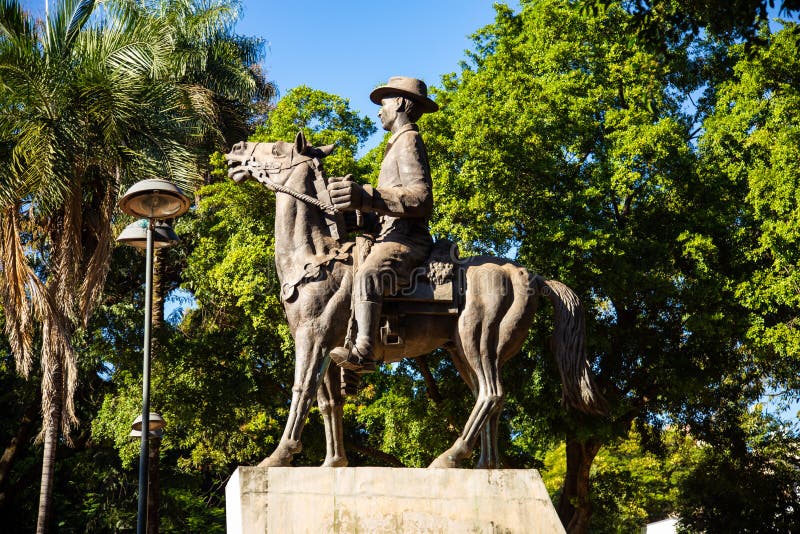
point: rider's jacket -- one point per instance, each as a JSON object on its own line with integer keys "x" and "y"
{"x": 404, "y": 196}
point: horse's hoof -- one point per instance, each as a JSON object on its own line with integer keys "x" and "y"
{"x": 336, "y": 461}
{"x": 271, "y": 461}
{"x": 487, "y": 465}
{"x": 452, "y": 456}
{"x": 445, "y": 461}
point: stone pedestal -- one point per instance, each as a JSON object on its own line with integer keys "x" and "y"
{"x": 386, "y": 500}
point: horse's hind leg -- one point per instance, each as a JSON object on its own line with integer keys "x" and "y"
{"x": 490, "y": 455}
{"x": 491, "y": 329}
{"x": 481, "y": 357}
{"x": 490, "y": 452}
{"x": 331, "y": 406}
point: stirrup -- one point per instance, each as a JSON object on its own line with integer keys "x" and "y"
{"x": 351, "y": 381}
{"x": 345, "y": 359}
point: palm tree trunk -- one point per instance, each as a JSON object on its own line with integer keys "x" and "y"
{"x": 153, "y": 486}
{"x": 52, "y": 422}
{"x": 159, "y": 280}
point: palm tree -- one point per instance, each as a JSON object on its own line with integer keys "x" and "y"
{"x": 207, "y": 54}
{"x": 90, "y": 100}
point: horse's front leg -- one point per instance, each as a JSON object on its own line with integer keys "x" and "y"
{"x": 331, "y": 406}
{"x": 308, "y": 358}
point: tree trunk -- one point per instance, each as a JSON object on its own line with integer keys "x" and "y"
{"x": 16, "y": 446}
{"x": 52, "y": 422}
{"x": 153, "y": 488}
{"x": 574, "y": 506}
{"x": 431, "y": 387}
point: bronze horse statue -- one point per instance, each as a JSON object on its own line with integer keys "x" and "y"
{"x": 487, "y": 328}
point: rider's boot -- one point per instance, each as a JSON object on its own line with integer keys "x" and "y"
{"x": 361, "y": 356}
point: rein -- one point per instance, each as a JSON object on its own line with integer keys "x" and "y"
{"x": 261, "y": 173}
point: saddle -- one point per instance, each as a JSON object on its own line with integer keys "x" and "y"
{"x": 436, "y": 288}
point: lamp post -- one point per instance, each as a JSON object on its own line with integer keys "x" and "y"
{"x": 152, "y": 200}
{"x": 154, "y": 436}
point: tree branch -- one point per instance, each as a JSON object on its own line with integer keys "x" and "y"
{"x": 18, "y": 442}
{"x": 379, "y": 455}
{"x": 432, "y": 389}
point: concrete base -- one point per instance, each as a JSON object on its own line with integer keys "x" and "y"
{"x": 386, "y": 500}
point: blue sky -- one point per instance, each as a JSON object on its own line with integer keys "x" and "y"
{"x": 348, "y": 48}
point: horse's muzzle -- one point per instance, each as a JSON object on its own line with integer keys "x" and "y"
{"x": 236, "y": 158}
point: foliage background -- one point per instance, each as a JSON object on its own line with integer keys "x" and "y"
{"x": 635, "y": 152}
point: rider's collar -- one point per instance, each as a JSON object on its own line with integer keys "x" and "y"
{"x": 410, "y": 127}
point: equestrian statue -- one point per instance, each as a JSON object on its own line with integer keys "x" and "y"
{"x": 394, "y": 293}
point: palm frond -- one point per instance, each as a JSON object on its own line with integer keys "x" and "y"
{"x": 42, "y": 155}
{"x": 204, "y": 20}
{"x": 15, "y": 25}
{"x": 66, "y": 251}
{"x": 136, "y": 58}
{"x": 10, "y": 182}
{"x": 64, "y": 25}
{"x": 80, "y": 15}
{"x": 100, "y": 259}
{"x": 15, "y": 276}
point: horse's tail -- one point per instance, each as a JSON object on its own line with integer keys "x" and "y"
{"x": 579, "y": 390}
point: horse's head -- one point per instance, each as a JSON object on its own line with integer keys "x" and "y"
{"x": 277, "y": 159}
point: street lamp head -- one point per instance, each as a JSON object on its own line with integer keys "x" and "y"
{"x": 154, "y": 199}
{"x": 153, "y": 434}
{"x": 155, "y": 422}
{"x": 135, "y": 235}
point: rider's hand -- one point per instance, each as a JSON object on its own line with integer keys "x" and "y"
{"x": 345, "y": 193}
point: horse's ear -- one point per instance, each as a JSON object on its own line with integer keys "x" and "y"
{"x": 300, "y": 143}
{"x": 326, "y": 150}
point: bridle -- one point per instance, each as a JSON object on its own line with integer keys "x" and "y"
{"x": 261, "y": 173}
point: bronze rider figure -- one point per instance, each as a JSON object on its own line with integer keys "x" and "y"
{"x": 404, "y": 202}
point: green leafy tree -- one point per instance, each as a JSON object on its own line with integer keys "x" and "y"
{"x": 91, "y": 491}
{"x": 720, "y": 18}
{"x": 564, "y": 142}
{"x": 751, "y": 483}
{"x": 19, "y": 406}
{"x": 408, "y": 414}
{"x": 325, "y": 119}
{"x": 751, "y": 143}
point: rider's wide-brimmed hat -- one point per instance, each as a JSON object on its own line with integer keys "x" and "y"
{"x": 411, "y": 88}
